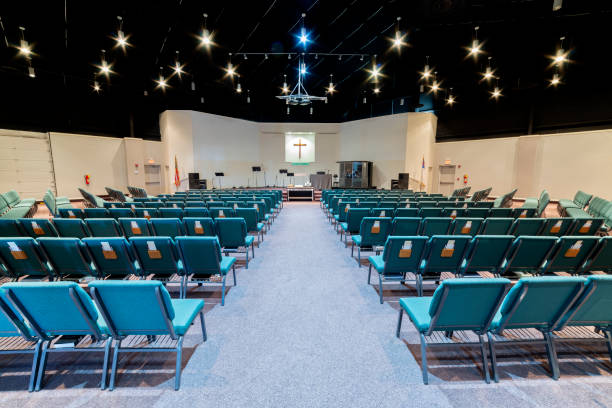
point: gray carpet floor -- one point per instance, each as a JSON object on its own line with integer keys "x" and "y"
{"x": 304, "y": 329}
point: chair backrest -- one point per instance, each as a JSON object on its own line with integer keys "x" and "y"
{"x": 167, "y": 227}
{"x": 406, "y": 226}
{"x": 11, "y": 322}
{"x": 10, "y": 228}
{"x": 134, "y": 307}
{"x": 200, "y": 226}
{"x": 117, "y": 213}
{"x": 582, "y": 199}
{"x": 67, "y": 256}
{"x": 250, "y": 217}
{"x": 466, "y": 226}
{"x": 527, "y": 226}
{"x": 477, "y": 212}
{"x": 602, "y": 256}
{"x": 403, "y": 254}
{"x": 112, "y": 256}
{"x": 543, "y": 202}
{"x": 520, "y": 212}
{"x": 557, "y": 226}
{"x": 49, "y": 200}
{"x": 71, "y": 227}
{"x": 407, "y": 212}
{"x": 487, "y": 253}
{"x": 587, "y": 226}
{"x": 435, "y": 226}
{"x": 221, "y": 212}
{"x": 528, "y": 254}
{"x": 103, "y": 227}
{"x": 500, "y": 212}
{"x": 11, "y": 197}
{"x": 231, "y": 231}
{"x": 374, "y": 230}
{"x": 571, "y": 254}
{"x": 38, "y": 227}
{"x": 345, "y": 208}
{"x": 201, "y": 212}
{"x": 200, "y": 255}
{"x": 354, "y": 217}
{"x": 445, "y": 253}
{"x": 496, "y": 226}
{"x": 23, "y": 256}
{"x": 174, "y": 213}
{"x": 466, "y": 304}
{"x": 147, "y": 212}
{"x": 430, "y": 212}
{"x": 96, "y": 213}
{"x": 156, "y": 255}
{"x": 381, "y": 212}
{"x": 594, "y": 307}
{"x": 71, "y": 213}
{"x": 539, "y": 302}
{"x": 54, "y": 308}
{"x": 134, "y": 227}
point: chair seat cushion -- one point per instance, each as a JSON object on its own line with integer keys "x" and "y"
{"x": 336, "y": 217}
{"x": 260, "y": 226}
{"x": 185, "y": 310}
{"x": 577, "y": 213}
{"x": 27, "y": 203}
{"x": 248, "y": 240}
{"x": 565, "y": 203}
{"x": 344, "y": 226}
{"x": 356, "y": 239}
{"x": 418, "y": 310}
{"x": 377, "y": 262}
{"x": 226, "y": 264}
{"x": 16, "y": 212}
{"x": 530, "y": 203}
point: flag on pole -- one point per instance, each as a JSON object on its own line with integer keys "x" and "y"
{"x": 423, "y": 163}
{"x": 177, "y": 179}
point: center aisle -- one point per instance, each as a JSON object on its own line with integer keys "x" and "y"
{"x": 302, "y": 328}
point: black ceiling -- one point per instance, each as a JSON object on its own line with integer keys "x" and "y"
{"x": 67, "y": 37}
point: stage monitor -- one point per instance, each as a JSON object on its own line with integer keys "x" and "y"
{"x": 219, "y": 174}
{"x": 290, "y": 174}
{"x": 256, "y": 168}
{"x": 283, "y": 171}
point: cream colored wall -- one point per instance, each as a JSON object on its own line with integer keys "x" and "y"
{"x": 420, "y": 145}
{"x": 103, "y": 158}
{"x": 560, "y": 163}
{"x": 177, "y": 140}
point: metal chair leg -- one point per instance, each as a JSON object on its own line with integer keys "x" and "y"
{"x": 42, "y": 365}
{"x": 369, "y": 273}
{"x": 493, "y": 357}
{"x": 552, "y": 356}
{"x": 608, "y": 334}
{"x": 223, "y": 291}
{"x": 107, "y": 347}
{"x": 359, "y": 255}
{"x": 424, "y": 359}
{"x": 253, "y": 250}
{"x": 35, "y": 364}
{"x": 485, "y": 365}
{"x": 352, "y": 249}
{"x": 203, "y": 324}
{"x": 247, "y": 258}
{"x": 111, "y": 385}
{"x": 234, "y": 273}
{"x": 380, "y": 288}
{"x": 399, "y": 322}
{"x": 179, "y": 354}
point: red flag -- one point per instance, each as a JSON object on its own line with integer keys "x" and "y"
{"x": 177, "y": 179}
{"x": 423, "y": 164}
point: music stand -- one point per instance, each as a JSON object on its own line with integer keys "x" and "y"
{"x": 255, "y": 170}
{"x": 291, "y": 176}
{"x": 219, "y": 175}
{"x": 284, "y": 173}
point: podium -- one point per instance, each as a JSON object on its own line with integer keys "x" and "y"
{"x": 355, "y": 174}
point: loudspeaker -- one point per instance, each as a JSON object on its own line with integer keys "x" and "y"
{"x": 194, "y": 181}
{"x": 403, "y": 181}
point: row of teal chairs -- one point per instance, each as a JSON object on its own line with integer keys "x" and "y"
{"x": 193, "y": 259}
{"x": 491, "y": 308}
{"x": 41, "y": 313}
{"x": 12, "y": 206}
{"x": 500, "y": 255}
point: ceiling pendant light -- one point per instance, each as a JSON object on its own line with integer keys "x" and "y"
{"x": 230, "y": 70}
{"x": 248, "y": 96}
{"x": 450, "y": 99}
{"x": 376, "y": 90}
{"x": 285, "y": 87}
{"x": 331, "y": 88}
{"x": 426, "y": 74}
{"x": 178, "y": 68}
{"x": 206, "y": 38}
{"x": 560, "y": 58}
{"x": 398, "y": 40}
{"x": 303, "y": 37}
{"x": 104, "y": 67}
{"x": 31, "y": 72}
{"x": 489, "y": 72}
{"x": 556, "y": 79}
{"x": 476, "y": 47}
{"x": 120, "y": 38}
{"x": 96, "y": 86}
{"x": 238, "y": 87}
{"x": 496, "y": 93}
{"x": 375, "y": 72}
{"x": 161, "y": 82}
{"x": 299, "y": 95}
{"x": 24, "y": 47}
{"x": 435, "y": 85}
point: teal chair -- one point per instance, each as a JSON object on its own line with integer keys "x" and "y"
{"x": 54, "y": 203}
{"x": 115, "y": 204}
{"x": 466, "y": 226}
{"x": 200, "y": 227}
{"x": 535, "y": 303}
{"x": 261, "y": 211}
{"x": 571, "y": 254}
{"x": 401, "y": 255}
{"x": 454, "y": 212}
{"x": 175, "y": 204}
{"x": 54, "y": 309}
{"x": 71, "y": 213}
{"x": 202, "y": 258}
{"x": 601, "y": 260}
{"x": 233, "y": 236}
{"x": 435, "y": 226}
{"x": 159, "y": 259}
{"x": 167, "y": 227}
{"x": 520, "y": 212}
{"x": 10, "y": 228}
{"x": 103, "y": 227}
{"x": 199, "y": 212}
{"x": 194, "y": 203}
{"x": 156, "y": 315}
{"x": 477, "y": 212}
{"x": 96, "y": 213}
{"x": 528, "y": 255}
{"x": 353, "y": 221}
{"x": 581, "y": 199}
{"x": 501, "y": 212}
{"x": 68, "y": 258}
{"x": 405, "y": 226}
{"x": 113, "y": 257}
{"x": 557, "y": 227}
{"x": 444, "y": 253}
{"x": 175, "y": 213}
{"x": 148, "y": 212}
{"x": 22, "y": 257}
{"x": 343, "y": 210}
{"x": 13, "y": 326}
{"x": 527, "y": 226}
{"x": 373, "y": 232}
{"x": 118, "y": 213}
{"x": 496, "y": 226}
{"x": 250, "y": 216}
{"x": 486, "y": 253}
{"x": 428, "y": 212}
{"x": 388, "y": 204}
{"x": 71, "y": 227}
{"x": 38, "y": 227}
{"x": 407, "y": 212}
{"x": 457, "y": 304}
{"x": 135, "y": 227}
{"x": 587, "y": 226}
{"x": 382, "y": 212}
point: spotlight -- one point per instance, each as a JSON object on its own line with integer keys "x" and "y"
{"x": 488, "y": 74}
{"x": 398, "y": 40}
{"x": 161, "y": 82}
{"x": 560, "y": 57}
{"x": 331, "y": 88}
{"x": 303, "y": 38}
{"x": 476, "y": 47}
{"x": 31, "y": 72}
{"x": 450, "y": 100}
{"x": 105, "y": 67}
{"x": 96, "y": 86}
{"x": 206, "y": 38}
{"x": 24, "y": 47}
{"x": 556, "y": 80}
{"x": 376, "y": 91}
{"x": 435, "y": 86}
{"x": 496, "y": 93}
{"x": 121, "y": 39}
{"x": 426, "y": 70}
{"x": 238, "y": 88}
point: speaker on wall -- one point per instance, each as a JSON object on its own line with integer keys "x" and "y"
{"x": 194, "y": 181}
{"x": 403, "y": 181}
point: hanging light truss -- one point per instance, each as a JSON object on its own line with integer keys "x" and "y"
{"x": 299, "y": 95}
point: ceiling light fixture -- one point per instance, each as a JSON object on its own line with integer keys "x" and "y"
{"x": 161, "y": 82}
{"x": 206, "y": 38}
{"x": 120, "y": 38}
{"x": 496, "y": 93}
{"x": 304, "y": 40}
{"x": 435, "y": 85}
{"x": 476, "y": 47}
{"x": 230, "y": 70}
{"x": 556, "y": 80}
{"x": 285, "y": 87}
{"x": 561, "y": 56}
{"x": 398, "y": 40}
{"x": 24, "y": 47}
{"x": 238, "y": 87}
{"x": 489, "y": 72}
{"x": 331, "y": 88}
{"x": 299, "y": 95}
{"x": 426, "y": 74}
{"x": 104, "y": 67}
{"x": 178, "y": 68}
{"x": 450, "y": 99}
{"x": 96, "y": 87}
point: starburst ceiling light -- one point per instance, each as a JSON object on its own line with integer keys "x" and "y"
{"x": 426, "y": 74}
{"x": 303, "y": 37}
{"x": 496, "y": 93}
{"x": 230, "y": 70}
{"x": 96, "y": 86}
{"x": 299, "y": 95}
{"x": 121, "y": 38}
{"x": 476, "y": 47}
{"x": 398, "y": 40}
{"x": 104, "y": 67}
{"x": 24, "y": 47}
{"x": 450, "y": 99}
{"x": 331, "y": 88}
{"x": 561, "y": 57}
{"x": 285, "y": 88}
{"x": 161, "y": 82}
{"x": 178, "y": 68}
{"x": 206, "y": 38}
{"x": 489, "y": 73}
{"x": 556, "y": 80}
